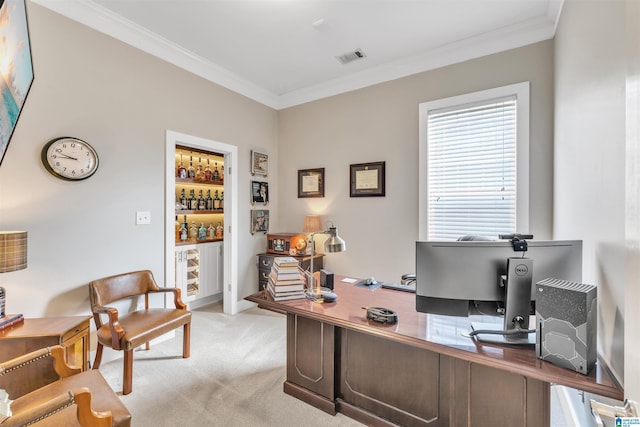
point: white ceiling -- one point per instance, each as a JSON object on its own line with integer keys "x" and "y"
{"x": 283, "y": 52}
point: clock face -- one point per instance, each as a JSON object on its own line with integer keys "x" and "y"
{"x": 70, "y": 158}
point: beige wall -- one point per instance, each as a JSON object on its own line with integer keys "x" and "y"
{"x": 590, "y": 155}
{"x": 122, "y": 101}
{"x": 380, "y": 123}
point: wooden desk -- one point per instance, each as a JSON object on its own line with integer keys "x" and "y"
{"x": 420, "y": 371}
{"x": 71, "y": 332}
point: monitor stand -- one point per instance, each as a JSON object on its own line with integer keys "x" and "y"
{"x": 515, "y": 327}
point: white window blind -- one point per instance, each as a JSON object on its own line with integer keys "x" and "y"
{"x": 471, "y": 169}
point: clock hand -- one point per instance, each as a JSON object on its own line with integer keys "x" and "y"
{"x": 64, "y": 156}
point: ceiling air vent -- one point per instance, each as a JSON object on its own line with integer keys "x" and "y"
{"x": 351, "y": 56}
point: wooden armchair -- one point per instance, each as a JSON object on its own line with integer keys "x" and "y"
{"x": 66, "y": 402}
{"x": 128, "y": 331}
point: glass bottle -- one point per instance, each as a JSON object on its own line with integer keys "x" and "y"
{"x": 209, "y": 201}
{"x": 183, "y": 199}
{"x": 222, "y": 173}
{"x": 181, "y": 172}
{"x": 211, "y": 232}
{"x": 177, "y": 229}
{"x": 216, "y": 172}
{"x": 202, "y": 232}
{"x": 193, "y": 231}
{"x": 219, "y": 230}
{"x": 208, "y": 173}
{"x": 193, "y": 202}
{"x": 191, "y": 171}
{"x": 200, "y": 171}
{"x": 184, "y": 232}
{"x": 216, "y": 200}
{"x": 201, "y": 202}
{"x": 222, "y": 200}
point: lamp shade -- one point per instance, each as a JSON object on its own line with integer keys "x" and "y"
{"x": 312, "y": 224}
{"x": 13, "y": 250}
{"x": 334, "y": 243}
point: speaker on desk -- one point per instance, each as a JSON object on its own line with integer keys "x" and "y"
{"x": 566, "y": 320}
{"x": 326, "y": 279}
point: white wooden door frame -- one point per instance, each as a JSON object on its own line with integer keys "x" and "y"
{"x": 230, "y": 276}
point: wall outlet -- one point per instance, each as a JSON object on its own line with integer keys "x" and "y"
{"x": 143, "y": 217}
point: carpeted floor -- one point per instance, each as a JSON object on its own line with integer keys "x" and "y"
{"x": 234, "y": 376}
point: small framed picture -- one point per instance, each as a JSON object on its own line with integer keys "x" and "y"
{"x": 311, "y": 183}
{"x": 259, "y": 221}
{"x": 259, "y": 163}
{"x": 367, "y": 180}
{"x": 259, "y": 192}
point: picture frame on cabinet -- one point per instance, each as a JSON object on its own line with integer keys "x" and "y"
{"x": 259, "y": 192}
{"x": 311, "y": 183}
{"x": 259, "y": 221}
{"x": 367, "y": 179}
{"x": 259, "y": 163}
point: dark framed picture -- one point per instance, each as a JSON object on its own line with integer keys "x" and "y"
{"x": 367, "y": 180}
{"x": 259, "y": 221}
{"x": 16, "y": 55}
{"x": 259, "y": 163}
{"x": 259, "y": 192}
{"x": 311, "y": 183}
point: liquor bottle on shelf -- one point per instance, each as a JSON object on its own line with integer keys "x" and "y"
{"x": 193, "y": 231}
{"x": 222, "y": 173}
{"x": 191, "y": 171}
{"x": 202, "y": 232}
{"x": 211, "y": 232}
{"x": 200, "y": 171}
{"x": 208, "y": 173}
{"x": 181, "y": 172}
{"x": 177, "y": 229}
{"x": 193, "y": 202}
{"x": 222, "y": 200}
{"x": 201, "y": 202}
{"x": 209, "y": 201}
{"x": 219, "y": 230}
{"x": 184, "y": 230}
{"x": 216, "y": 172}
{"x": 183, "y": 199}
{"x": 216, "y": 200}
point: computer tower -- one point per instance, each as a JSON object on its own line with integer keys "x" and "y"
{"x": 566, "y": 323}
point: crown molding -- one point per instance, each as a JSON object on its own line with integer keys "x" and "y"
{"x": 103, "y": 20}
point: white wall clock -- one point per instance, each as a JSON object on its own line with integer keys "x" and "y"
{"x": 70, "y": 158}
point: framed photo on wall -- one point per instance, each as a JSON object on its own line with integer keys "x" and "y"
{"x": 259, "y": 163}
{"x": 311, "y": 183}
{"x": 259, "y": 192}
{"x": 259, "y": 221}
{"x": 367, "y": 180}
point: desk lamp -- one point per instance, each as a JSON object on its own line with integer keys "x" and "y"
{"x": 13, "y": 256}
{"x": 333, "y": 244}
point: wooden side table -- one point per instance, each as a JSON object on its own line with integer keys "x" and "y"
{"x": 71, "y": 332}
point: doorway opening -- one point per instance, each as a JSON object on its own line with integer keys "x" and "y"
{"x": 230, "y": 242}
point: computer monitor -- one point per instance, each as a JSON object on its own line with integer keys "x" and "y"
{"x": 471, "y": 277}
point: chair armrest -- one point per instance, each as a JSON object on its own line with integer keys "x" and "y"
{"x": 56, "y": 352}
{"x": 116, "y": 330}
{"x": 177, "y": 299}
{"x": 87, "y": 417}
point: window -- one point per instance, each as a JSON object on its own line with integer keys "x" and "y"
{"x": 474, "y": 164}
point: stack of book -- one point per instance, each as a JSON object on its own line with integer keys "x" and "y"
{"x": 286, "y": 281}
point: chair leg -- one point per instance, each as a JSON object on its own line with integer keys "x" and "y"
{"x": 186, "y": 340}
{"x": 127, "y": 377}
{"x": 98, "y": 359}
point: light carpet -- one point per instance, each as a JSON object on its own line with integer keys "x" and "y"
{"x": 234, "y": 376}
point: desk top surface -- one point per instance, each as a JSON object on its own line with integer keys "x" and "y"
{"x": 441, "y": 334}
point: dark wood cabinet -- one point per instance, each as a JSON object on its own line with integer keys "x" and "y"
{"x": 71, "y": 332}
{"x": 265, "y": 262}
